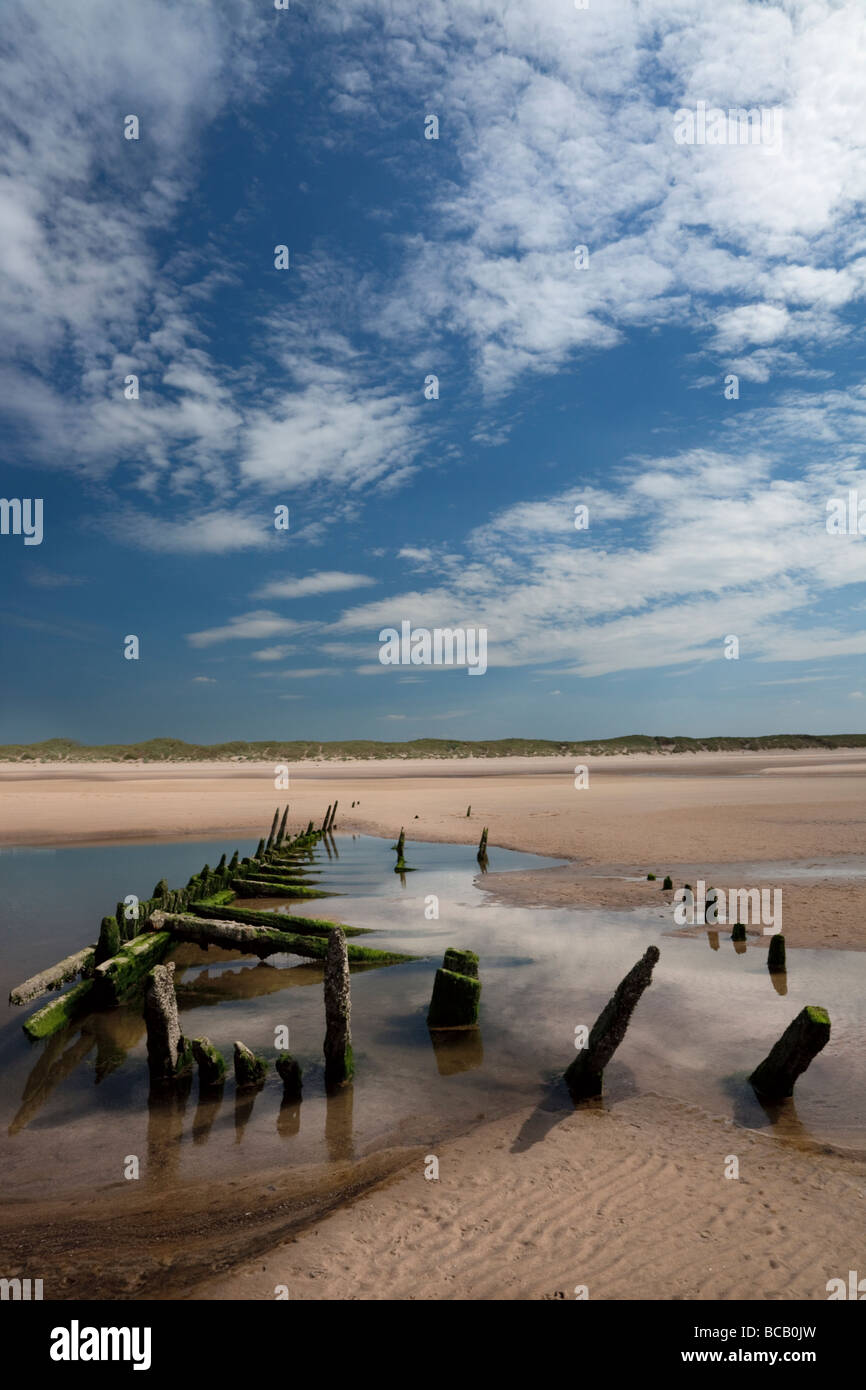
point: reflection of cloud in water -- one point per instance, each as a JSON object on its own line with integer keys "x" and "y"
{"x": 708, "y": 1018}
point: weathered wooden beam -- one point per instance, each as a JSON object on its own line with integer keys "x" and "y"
{"x": 259, "y": 941}
{"x": 249, "y": 916}
{"x": 81, "y": 963}
{"x": 56, "y": 1015}
{"x": 276, "y": 888}
{"x": 281, "y": 834}
{"x": 168, "y": 1052}
{"x": 118, "y": 977}
{"x": 339, "y": 1060}
{"x": 584, "y": 1076}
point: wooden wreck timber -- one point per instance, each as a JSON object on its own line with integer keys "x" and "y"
{"x": 250, "y": 916}
{"x": 131, "y": 943}
{"x": 456, "y": 992}
{"x": 250, "y": 1070}
{"x": 81, "y": 963}
{"x": 260, "y": 940}
{"x": 289, "y": 1071}
{"x": 339, "y": 1060}
{"x": 276, "y": 888}
{"x": 584, "y": 1077}
{"x": 56, "y": 1015}
{"x": 118, "y": 977}
{"x": 210, "y": 1062}
{"x": 801, "y": 1041}
{"x": 168, "y": 1053}
{"x": 776, "y": 954}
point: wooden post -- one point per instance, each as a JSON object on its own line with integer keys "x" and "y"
{"x": 802, "y": 1040}
{"x": 339, "y": 1062}
{"x": 584, "y": 1076}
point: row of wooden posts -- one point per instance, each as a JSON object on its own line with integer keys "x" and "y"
{"x": 276, "y": 868}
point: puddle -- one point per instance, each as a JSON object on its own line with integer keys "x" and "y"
{"x": 76, "y": 1106}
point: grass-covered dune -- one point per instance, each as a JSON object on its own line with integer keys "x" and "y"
{"x": 173, "y": 750}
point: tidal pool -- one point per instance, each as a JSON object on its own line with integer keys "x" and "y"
{"x": 75, "y": 1106}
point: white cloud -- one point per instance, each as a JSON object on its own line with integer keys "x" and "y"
{"x": 246, "y": 627}
{"x": 323, "y": 582}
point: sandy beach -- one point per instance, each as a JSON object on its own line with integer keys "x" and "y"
{"x": 724, "y": 817}
{"x": 628, "y": 1199}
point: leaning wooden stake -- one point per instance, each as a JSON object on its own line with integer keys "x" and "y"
{"x": 333, "y": 815}
{"x": 482, "y": 846}
{"x": 802, "y": 1040}
{"x": 339, "y": 1063}
{"x": 273, "y": 834}
{"x": 324, "y": 825}
{"x": 282, "y": 831}
{"x": 584, "y": 1076}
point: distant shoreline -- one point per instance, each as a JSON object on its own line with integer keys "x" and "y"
{"x": 243, "y": 752}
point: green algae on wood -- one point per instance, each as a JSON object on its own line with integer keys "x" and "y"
{"x": 54, "y": 1016}
{"x": 211, "y": 1063}
{"x": 119, "y": 976}
{"x": 109, "y": 941}
{"x": 307, "y": 926}
{"x": 289, "y": 1071}
{"x": 250, "y": 1070}
{"x": 276, "y": 888}
{"x": 454, "y": 1002}
{"x": 461, "y": 962}
{"x": 261, "y": 940}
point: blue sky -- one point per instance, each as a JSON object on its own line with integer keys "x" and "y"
{"x": 558, "y": 386}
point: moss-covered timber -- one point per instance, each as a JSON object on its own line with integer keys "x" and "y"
{"x": 56, "y": 1015}
{"x": 802, "y": 1040}
{"x": 461, "y": 962}
{"x": 211, "y": 1063}
{"x": 275, "y": 888}
{"x": 289, "y": 1071}
{"x": 114, "y": 979}
{"x": 584, "y": 1077}
{"x": 260, "y": 941}
{"x": 110, "y": 938}
{"x": 307, "y": 926}
{"x": 454, "y": 1002}
{"x": 81, "y": 963}
{"x": 250, "y": 1070}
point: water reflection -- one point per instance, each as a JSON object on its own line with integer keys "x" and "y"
{"x": 339, "y": 1113}
{"x": 457, "y": 1049}
{"x": 543, "y": 971}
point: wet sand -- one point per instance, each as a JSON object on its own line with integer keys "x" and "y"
{"x": 709, "y": 817}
